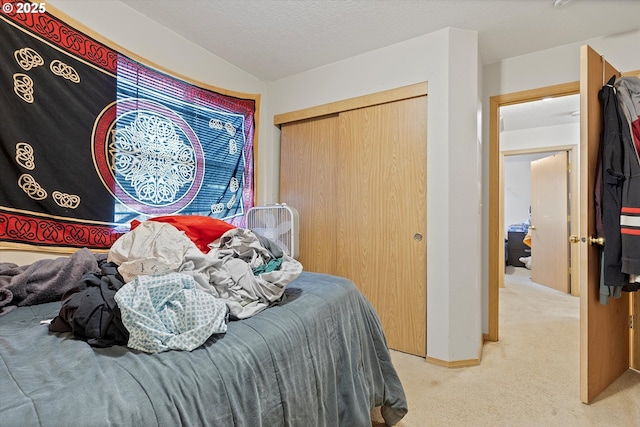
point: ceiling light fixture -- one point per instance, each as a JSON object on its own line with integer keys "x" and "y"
{"x": 560, "y": 3}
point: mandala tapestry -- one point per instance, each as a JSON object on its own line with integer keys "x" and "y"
{"x": 91, "y": 139}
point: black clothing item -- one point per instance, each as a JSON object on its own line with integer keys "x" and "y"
{"x": 90, "y": 311}
{"x": 612, "y": 181}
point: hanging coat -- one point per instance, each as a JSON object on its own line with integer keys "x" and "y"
{"x": 612, "y": 182}
{"x": 628, "y": 93}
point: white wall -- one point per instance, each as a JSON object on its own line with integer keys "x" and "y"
{"x": 516, "y": 172}
{"x": 517, "y": 187}
{"x": 542, "y": 137}
{"x": 536, "y": 70}
{"x": 448, "y": 61}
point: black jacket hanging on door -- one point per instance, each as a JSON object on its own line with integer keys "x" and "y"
{"x": 618, "y": 192}
{"x": 611, "y": 191}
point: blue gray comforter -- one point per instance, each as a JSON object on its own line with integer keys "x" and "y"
{"x": 319, "y": 358}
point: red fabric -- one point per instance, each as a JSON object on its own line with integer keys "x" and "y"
{"x": 635, "y": 127}
{"x": 201, "y": 230}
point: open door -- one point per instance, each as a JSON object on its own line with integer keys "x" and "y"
{"x": 604, "y": 328}
{"x": 635, "y": 331}
{"x": 549, "y": 221}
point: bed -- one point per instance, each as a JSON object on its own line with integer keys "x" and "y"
{"x": 317, "y": 358}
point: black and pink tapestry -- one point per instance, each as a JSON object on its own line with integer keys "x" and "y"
{"x": 91, "y": 139}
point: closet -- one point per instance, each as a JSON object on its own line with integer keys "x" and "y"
{"x": 356, "y": 172}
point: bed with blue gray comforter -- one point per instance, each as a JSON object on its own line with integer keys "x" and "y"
{"x": 319, "y": 358}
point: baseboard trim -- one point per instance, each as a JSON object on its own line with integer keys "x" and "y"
{"x": 458, "y": 363}
{"x": 453, "y": 363}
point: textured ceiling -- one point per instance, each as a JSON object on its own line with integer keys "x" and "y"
{"x": 272, "y": 39}
{"x": 548, "y": 112}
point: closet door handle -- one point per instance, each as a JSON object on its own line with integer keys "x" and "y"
{"x": 417, "y": 237}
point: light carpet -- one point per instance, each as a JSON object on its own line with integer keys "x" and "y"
{"x": 531, "y": 377}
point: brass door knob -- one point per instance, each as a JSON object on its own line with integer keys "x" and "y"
{"x": 596, "y": 241}
{"x": 574, "y": 239}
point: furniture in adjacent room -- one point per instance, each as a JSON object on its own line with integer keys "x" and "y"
{"x": 517, "y": 248}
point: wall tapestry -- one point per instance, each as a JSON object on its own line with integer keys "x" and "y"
{"x": 91, "y": 139}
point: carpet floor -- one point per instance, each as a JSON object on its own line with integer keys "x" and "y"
{"x": 531, "y": 377}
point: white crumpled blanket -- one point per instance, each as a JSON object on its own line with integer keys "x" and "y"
{"x": 168, "y": 312}
{"x": 225, "y": 272}
{"x": 149, "y": 249}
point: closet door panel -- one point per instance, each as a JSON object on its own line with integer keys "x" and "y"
{"x": 381, "y": 240}
{"x": 307, "y": 183}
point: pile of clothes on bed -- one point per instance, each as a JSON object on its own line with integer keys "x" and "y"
{"x": 169, "y": 283}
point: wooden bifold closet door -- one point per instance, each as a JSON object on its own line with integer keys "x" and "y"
{"x": 308, "y": 153}
{"x": 358, "y": 179}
